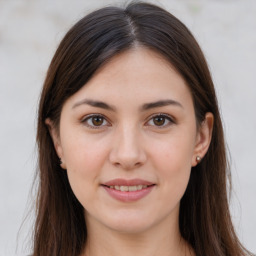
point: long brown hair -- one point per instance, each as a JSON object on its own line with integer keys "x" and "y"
{"x": 204, "y": 220}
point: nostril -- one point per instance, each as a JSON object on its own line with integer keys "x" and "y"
{"x": 117, "y": 164}
{"x": 138, "y": 164}
{"x": 127, "y": 165}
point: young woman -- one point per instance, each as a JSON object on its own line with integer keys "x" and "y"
{"x": 131, "y": 151}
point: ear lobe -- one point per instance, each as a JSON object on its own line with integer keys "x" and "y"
{"x": 56, "y": 141}
{"x": 204, "y": 137}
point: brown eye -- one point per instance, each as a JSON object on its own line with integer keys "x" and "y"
{"x": 159, "y": 120}
{"x": 95, "y": 121}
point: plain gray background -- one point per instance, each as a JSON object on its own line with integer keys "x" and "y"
{"x": 29, "y": 34}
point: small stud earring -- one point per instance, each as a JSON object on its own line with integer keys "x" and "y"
{"x": 198, "y": 159}
{"x": 60, "y": 161}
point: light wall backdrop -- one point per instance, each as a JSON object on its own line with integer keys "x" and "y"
{"x": 30, "y": 31}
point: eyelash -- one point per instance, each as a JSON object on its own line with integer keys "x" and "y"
{"x": 89, "y": 118}
{"x": 166, "y": 117}
{"x": 92, "y": 126}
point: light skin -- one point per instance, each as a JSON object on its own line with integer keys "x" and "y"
{"x": 133, "y": 120}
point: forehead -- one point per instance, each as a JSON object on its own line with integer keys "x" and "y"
{"x": 137, "y": 75}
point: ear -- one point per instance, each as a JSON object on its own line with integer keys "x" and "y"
{"x": 203, "y": 140}
{"x": 56, "y": 141}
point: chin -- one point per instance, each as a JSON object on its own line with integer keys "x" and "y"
{"x": 130, "y": 222}
{"x": 130, "y": 227}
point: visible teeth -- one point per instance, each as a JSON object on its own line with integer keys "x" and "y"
{"x": 129, "y": 188}
{"x": 132, "y": 188}
{"x": 124, "y": 188}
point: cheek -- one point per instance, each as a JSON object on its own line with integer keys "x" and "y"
{"x": 172, "y": 160}
{"x": 174, "y": 153}
{"x": 84, "y": 153}
{"x": 84, "y": 159}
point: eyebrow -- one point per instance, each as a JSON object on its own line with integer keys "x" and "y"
{"x": 160, "y": 103}
{"x": 94, "y": 103}
{"x": 144, "y": 107}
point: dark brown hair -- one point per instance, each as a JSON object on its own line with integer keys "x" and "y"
{"x": 204, "y": 220}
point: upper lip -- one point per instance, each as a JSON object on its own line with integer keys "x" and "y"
{"x": 124, "y": 182}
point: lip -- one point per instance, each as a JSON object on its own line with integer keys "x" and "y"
{"x": 132, "y": 182}
{"x": 125, "y": 196}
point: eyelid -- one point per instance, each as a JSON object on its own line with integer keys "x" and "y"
{"x": 170, "y": 118}
{"x": 87, "y": 117}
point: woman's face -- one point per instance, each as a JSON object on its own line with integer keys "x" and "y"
{"x": 128, "y": 139}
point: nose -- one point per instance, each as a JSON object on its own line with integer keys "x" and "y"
{"x": 127, "y": 149}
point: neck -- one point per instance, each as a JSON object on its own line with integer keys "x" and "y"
{"x": 160, "y": 240}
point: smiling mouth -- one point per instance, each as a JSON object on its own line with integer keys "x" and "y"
{"x": 129, "y": 188}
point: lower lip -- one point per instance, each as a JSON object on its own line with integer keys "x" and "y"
{"x": 128, "y": 196}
